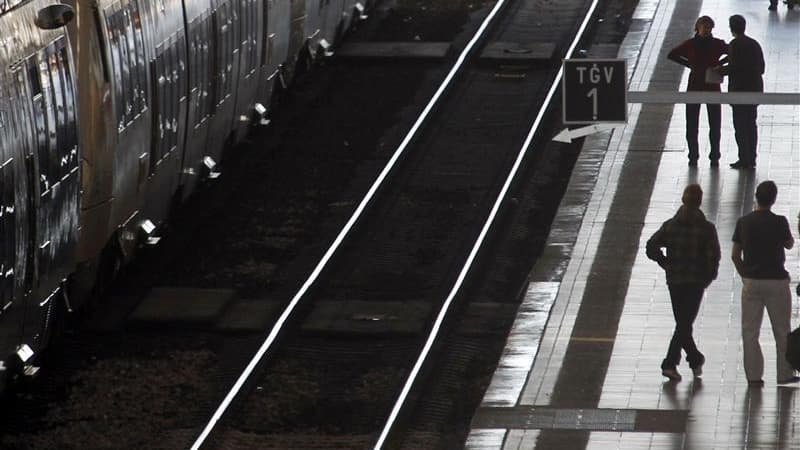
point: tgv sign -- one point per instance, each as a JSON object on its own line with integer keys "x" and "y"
{"x": 594, "y": 91}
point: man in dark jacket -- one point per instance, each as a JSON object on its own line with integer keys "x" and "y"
{"x": 699, "y": 54}
{"x": 691, "y": 263}
{"x": 745, "y": 65}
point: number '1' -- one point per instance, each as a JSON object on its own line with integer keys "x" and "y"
{"x": 593, "y": 94}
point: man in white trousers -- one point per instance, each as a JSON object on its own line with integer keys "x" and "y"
{"x": 759, "y": 242}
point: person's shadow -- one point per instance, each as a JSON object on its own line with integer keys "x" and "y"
{"x": 771, "y": 426}
{"x": 682, "y": 401}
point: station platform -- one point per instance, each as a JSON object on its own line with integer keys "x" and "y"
{"x": 581, "y": 368}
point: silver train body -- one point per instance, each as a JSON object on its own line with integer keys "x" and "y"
{"x": 111, "y": 113}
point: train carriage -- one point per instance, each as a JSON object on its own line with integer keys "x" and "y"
{"x": 39, "y": 182}
{"x": 160, "y": 88}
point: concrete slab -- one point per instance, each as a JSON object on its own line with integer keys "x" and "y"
{"x": 514, "y": 51}
{"x": 249, "y": 315}
{"x": 189, "y": 306}
{"x": 364, "y": 317}
{"x": 422, "y": 50}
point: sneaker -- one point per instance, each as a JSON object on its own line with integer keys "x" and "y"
{"x": 672, "y": 374}
{"x": 794, "y": 379}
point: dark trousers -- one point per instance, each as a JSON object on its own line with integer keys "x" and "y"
{"x": 685, "y": 305}
{"x": 746, "y": 131}
{"x": 692, "y": 124}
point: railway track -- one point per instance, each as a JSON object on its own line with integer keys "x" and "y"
{"x": 374, "y": 304}
{"x": 335, "y": 373}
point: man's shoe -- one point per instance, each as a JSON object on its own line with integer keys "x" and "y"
{"x": 697, "y": 369}
{"x": 789, "y": 380}
{"x": 692, "y": 163}
{"x": 672, "y": 374}
{"x": 755, "y": 383}
{"x": 737, "y": 165}
{"x": 714, "y": 163}
{"x": 773, "y": 7}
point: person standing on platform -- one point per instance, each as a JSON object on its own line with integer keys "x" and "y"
{"x": 790, "y": 4}
{"x": 759, "y": 240}
{"x": 691, "y": 263}
{"x": 745, "y": 65}
{"x": 700, "y": 54}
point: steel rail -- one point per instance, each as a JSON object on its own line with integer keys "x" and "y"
{"x": 481, "y": 237}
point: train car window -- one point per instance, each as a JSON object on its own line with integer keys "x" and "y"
{"x": 181, "y": 67}
{"x": 208, "y": 66}
{"x": 216, "y": 61}
{"x": 116, "y": 63}
{"x": 201, "y": 30}
{"x": 28, "y": 121}
{"x": 7, "y": 241}
{"x": 48, "y": 157}
{"x": 37, "y": 98}
{"x": 58, "y": 128}
{"x": 175, "y": 92}
{"x": 3, "y": 243}
{"x": 156, "y": 118}
{"x": 126, "y": 42}
{"x": 193, "y": 53}
{"x": 249, "y": 21}
{"x": 224, "y": 43}
{"x": 128, "y": 70}
{"x": 266, "y": 50}
{"x": 194, "y": 70}
{"x": 70, "y": 155}
{"x": 98, "y": 24}
{"x": 141, "y": 67}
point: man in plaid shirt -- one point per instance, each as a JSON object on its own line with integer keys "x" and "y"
{"x": 691, "y": 263}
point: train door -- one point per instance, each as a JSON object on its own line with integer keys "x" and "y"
{"x": 275, "y": 50}
{"x": 297, "y": 35}
{"x": 169, "y": 99}
{"x": 10, "y": 320}
{"x": 250, "y": 21}
{"x": 51, "y": 166}
{"x": 225, "y": 63}
{"x": 200, "y": 48}
{"x": 332, "y": 30}
{"x": 124, "y": 40}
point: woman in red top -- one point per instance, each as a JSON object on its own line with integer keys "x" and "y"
{"x": 700, "y": 53}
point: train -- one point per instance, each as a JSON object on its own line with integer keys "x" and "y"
{"x": 112, "y": 113}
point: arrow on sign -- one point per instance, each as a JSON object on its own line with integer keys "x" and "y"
{"x": 567, "y": 135}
